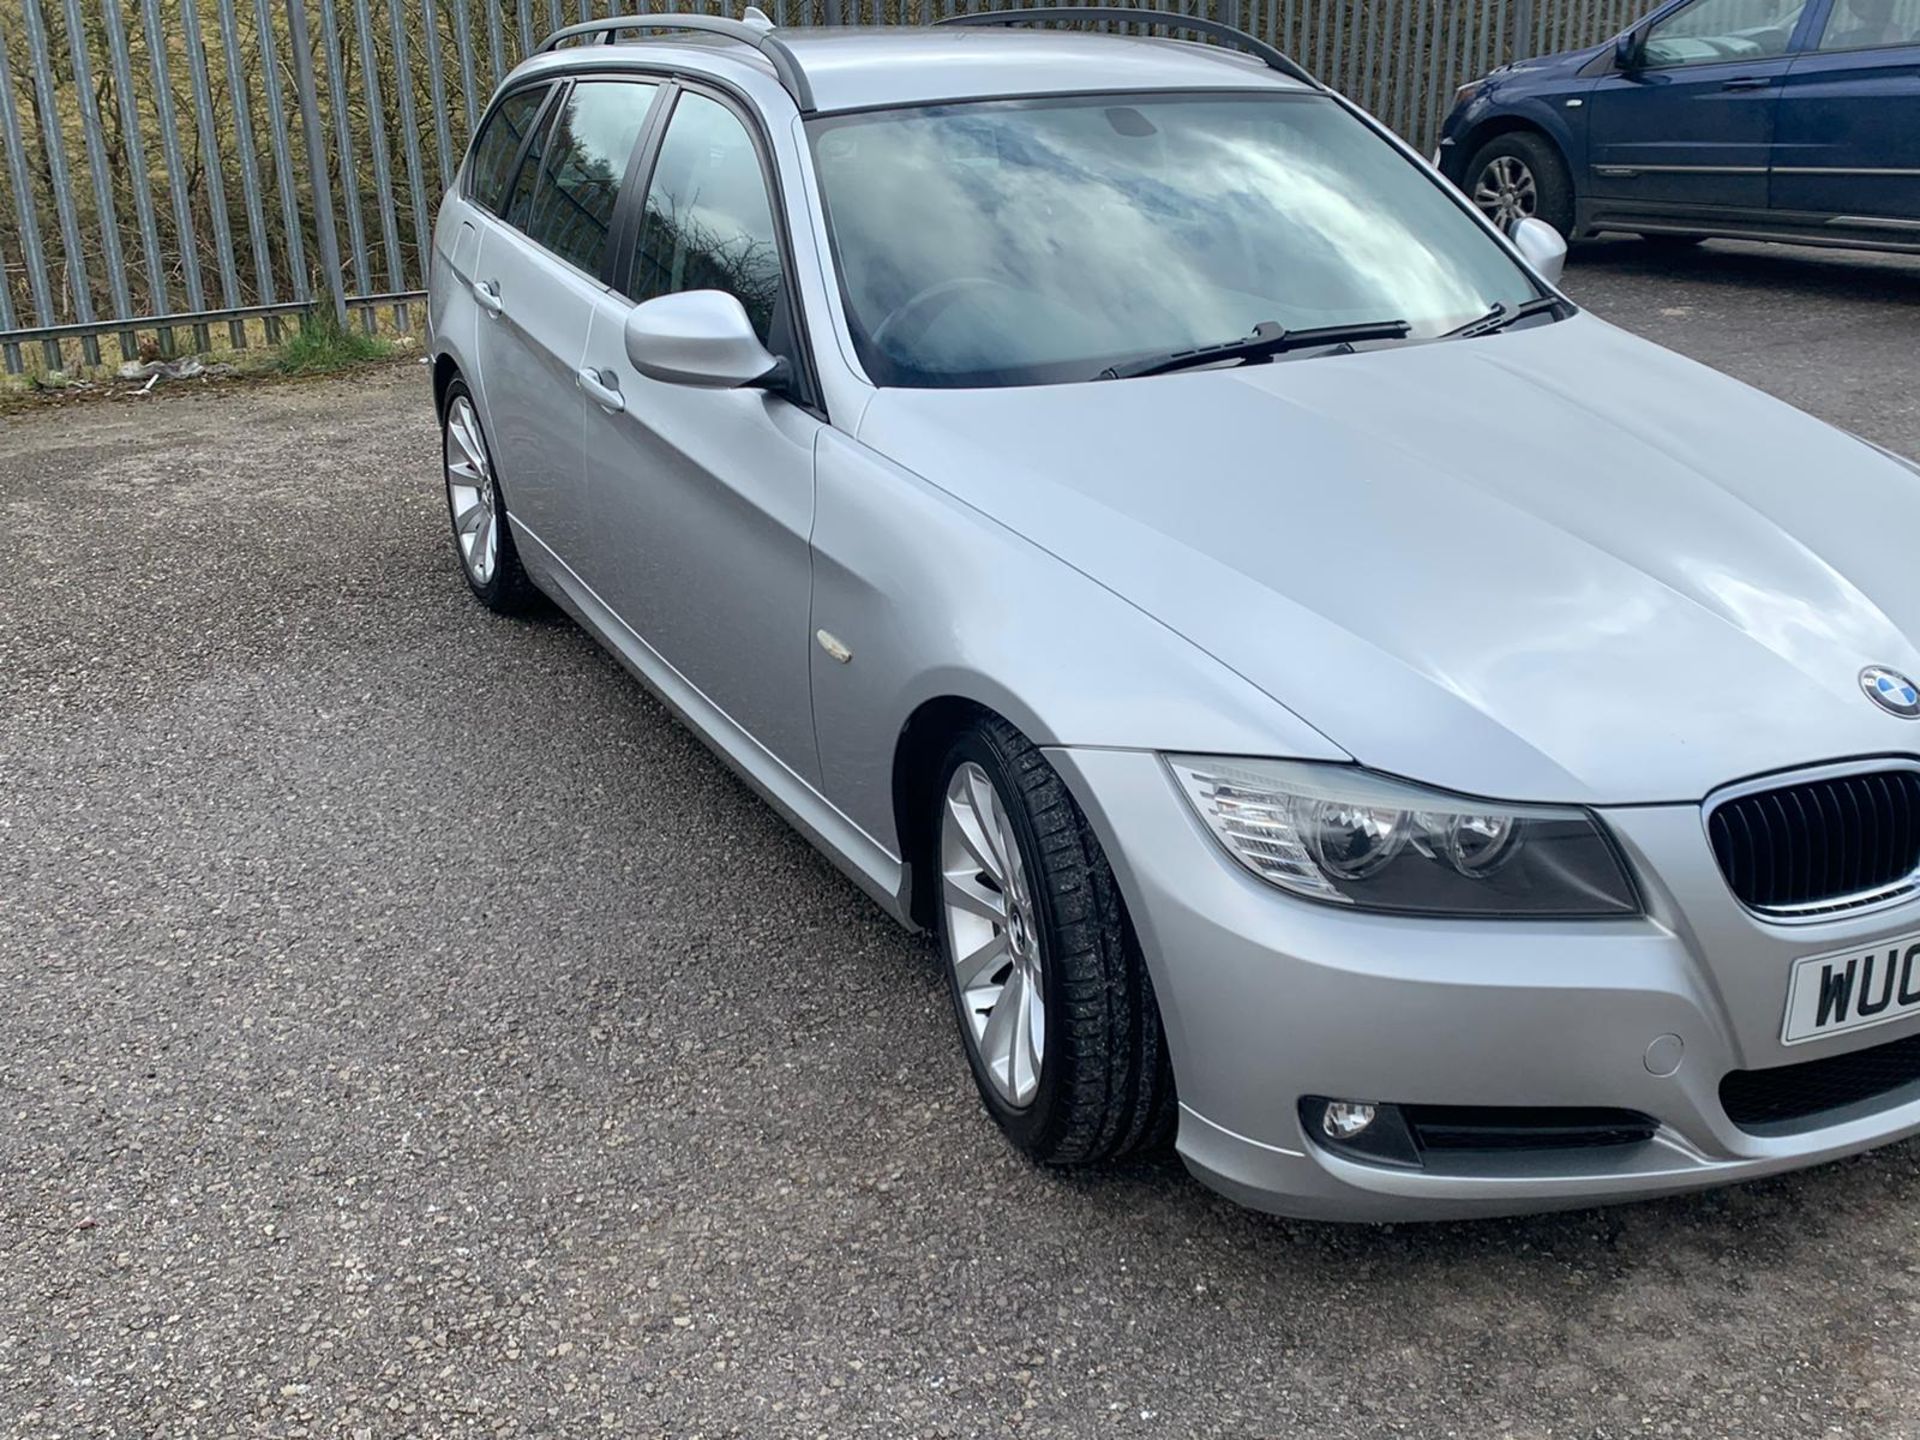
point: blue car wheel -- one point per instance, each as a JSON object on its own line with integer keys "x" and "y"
{"x": 1520, "y": 176}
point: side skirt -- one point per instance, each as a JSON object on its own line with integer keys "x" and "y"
{"x": 1888, "y": 234}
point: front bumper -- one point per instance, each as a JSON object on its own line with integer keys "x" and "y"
{"x": 1267, "y": 999}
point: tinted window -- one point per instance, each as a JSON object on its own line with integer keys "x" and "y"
{"x": 499, "y": 146}
{"x": 1715, "y": 30}
{"x": 581, "y": 167}
{"x": 709, "y": 223}
{"x": 1871, "y": 24}
{"x": 1022, "y": 242}
{"x": 520, "y": 200}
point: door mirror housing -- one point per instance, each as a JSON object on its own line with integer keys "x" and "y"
{"x": 1628, "y": 49}
{"x": 1542, "y": 247}
{"x": 703, "y": 338}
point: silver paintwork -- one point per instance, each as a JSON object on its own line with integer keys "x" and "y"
{"x": 1314, "y": 561}
{"x": 1544, "y": 247}
{"x": 698, "y": 337}
{"x": 994, "y": 940}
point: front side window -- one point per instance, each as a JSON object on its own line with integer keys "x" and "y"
{"x": 582, "y": 165}
{"x": 1710, "y": 31}
{"x": 709, "y": 221}
{"x": 1040, "y": 241}
{"x": 499, "y": 146}
{"x": 1871, "y": 24}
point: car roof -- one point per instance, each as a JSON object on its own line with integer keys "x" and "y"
{"x": 862, "y": 67}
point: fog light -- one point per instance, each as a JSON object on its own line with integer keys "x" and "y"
{"x": 1344, "y": 1119}
{"x": 1368, "y": 1130}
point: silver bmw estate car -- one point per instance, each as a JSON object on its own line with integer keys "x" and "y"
{"x": 1078, "y": 479}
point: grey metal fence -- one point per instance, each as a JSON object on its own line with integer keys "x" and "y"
{"x": 171, "y": 166}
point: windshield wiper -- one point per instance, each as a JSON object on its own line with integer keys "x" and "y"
{"x": 1502, "y": 315}
{"x": 1269, "y": 338}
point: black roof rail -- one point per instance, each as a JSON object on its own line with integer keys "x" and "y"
{"x": 786, "y": 67}
{"x": 1172, "y": 20}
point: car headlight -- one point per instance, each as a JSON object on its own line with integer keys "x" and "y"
{"x": 1347, "y": 836}
{"x": 1467, "y": 91}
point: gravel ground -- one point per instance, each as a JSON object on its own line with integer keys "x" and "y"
{"x": 408, "y": 1029}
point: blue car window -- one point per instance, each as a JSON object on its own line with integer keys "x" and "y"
{"x": 1871, "y": 24}
{"x": 1713, "y": 31}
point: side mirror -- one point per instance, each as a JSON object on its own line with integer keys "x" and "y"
{"x": 1627, "y": 50}
{"x": 699, "y": 337}
{"x": 1542, "y": 247}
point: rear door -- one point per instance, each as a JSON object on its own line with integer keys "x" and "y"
{"x": 1691, "y": 126}
{"x": 704, "y": 498}
{"x": 1849, "y": 128}
{"x": 538, "y": 276}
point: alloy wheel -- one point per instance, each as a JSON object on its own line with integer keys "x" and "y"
{"x": 1506, "y": 191}
{"x": 993, "y": 935}
{"x": 471, "y": 496}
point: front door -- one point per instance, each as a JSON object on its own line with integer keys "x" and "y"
{"x": 704, "y": 498}
{"x": 1849, "y": 130}
{"x": 1690, "y": 125}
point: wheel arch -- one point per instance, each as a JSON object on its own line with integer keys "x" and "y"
{"x": 1508, "y": 123}
{"x": 927, "y": 735}
{"x": 445, "y": 371}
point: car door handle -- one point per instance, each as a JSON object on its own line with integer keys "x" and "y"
{"x": 607, "y": 397}
{"x": 1748, "y": 82}
{"x": 488, "y": 296}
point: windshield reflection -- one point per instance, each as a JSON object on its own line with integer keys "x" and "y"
{"x": 1022, "y": 242}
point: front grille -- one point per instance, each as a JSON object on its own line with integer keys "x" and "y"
{"x": 1823, "y": 844}
{"x": 1514, "y": 1127}
{"x": 1788, "y": 1097}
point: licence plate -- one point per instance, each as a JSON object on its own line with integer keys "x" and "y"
{"x": 1852, "y": 989}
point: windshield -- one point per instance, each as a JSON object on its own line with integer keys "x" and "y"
{"x": 1038, "y": 241}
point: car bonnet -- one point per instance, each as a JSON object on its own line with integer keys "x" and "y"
{"x": 1557, "y": 563}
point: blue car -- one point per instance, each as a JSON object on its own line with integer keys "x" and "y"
{"x": 1761, "y": 119}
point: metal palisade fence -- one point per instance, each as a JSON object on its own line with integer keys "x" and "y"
{"x": 172, "y": 168}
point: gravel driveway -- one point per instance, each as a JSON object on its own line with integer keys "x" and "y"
{"x": 406, "y": 1028}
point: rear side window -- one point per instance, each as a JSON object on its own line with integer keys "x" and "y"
{"x": 581, "y": 168}
{"x": 499, "y": 146}
{"x": 709, "y": 222}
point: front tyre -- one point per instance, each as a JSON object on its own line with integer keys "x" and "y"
{"x": 1520, "y": 176}
{"x": 1048, "y": 984}
{"x": 481, "y": 537}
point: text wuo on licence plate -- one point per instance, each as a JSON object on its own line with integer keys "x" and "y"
{"x": 1852, "y": 989}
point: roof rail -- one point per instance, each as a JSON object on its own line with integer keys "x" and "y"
{"x": 786, "y": 67}
{"x": 1100, "y": 14}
